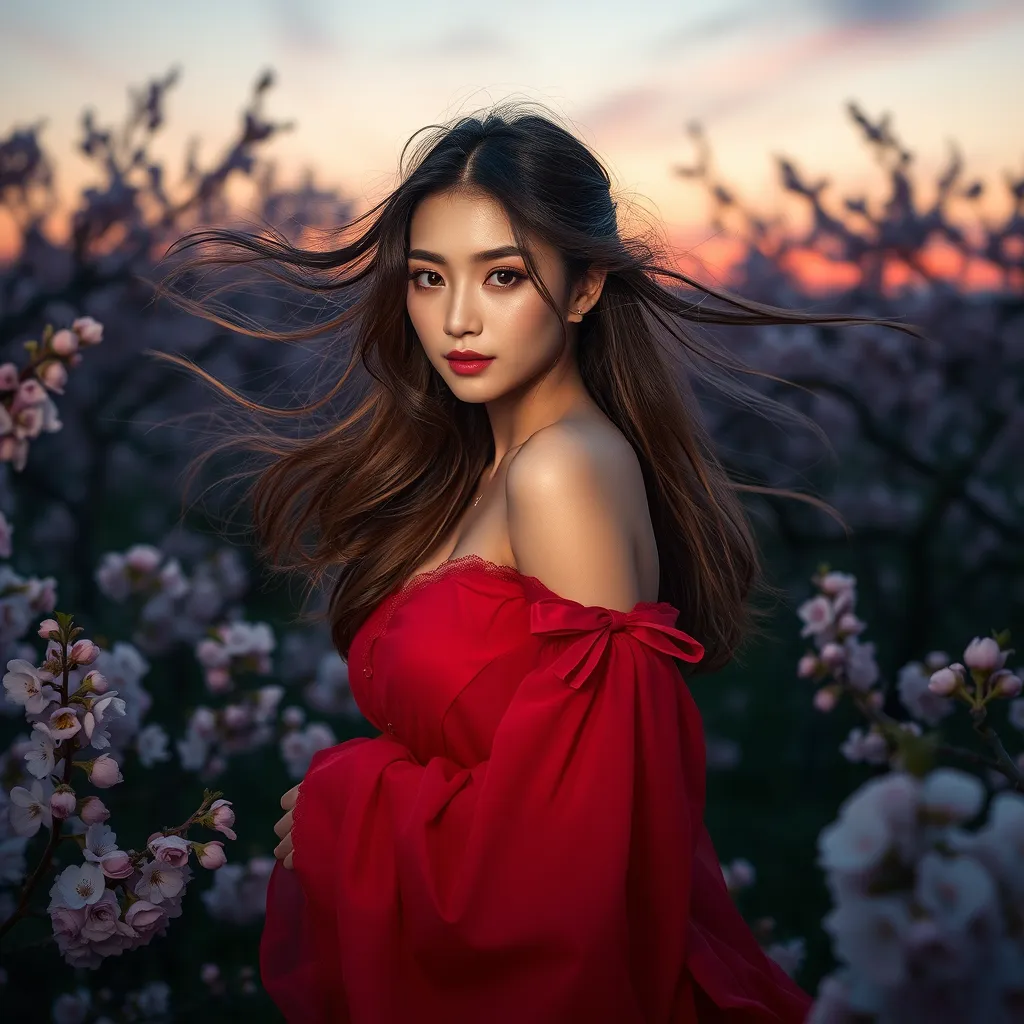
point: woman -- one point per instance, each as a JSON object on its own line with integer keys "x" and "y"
{"x": 519, "y": 510}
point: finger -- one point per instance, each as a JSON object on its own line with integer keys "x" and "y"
{"x": 283, "y": 848}
{"x": 288, "y": 800}
{"x": 288, "y": 861}
{"x": 283, "y": 825}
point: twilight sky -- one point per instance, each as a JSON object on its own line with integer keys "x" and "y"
{"x": 765, "y": 79}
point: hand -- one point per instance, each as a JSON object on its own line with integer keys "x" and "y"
{"x": 283, "y": 829}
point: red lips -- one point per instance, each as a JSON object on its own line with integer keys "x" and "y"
{"x": 465, "y": 353}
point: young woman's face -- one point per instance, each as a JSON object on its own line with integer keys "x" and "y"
{"x": 462, "y": 295}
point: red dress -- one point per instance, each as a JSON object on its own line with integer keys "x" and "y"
{"x": 524, "y": 843}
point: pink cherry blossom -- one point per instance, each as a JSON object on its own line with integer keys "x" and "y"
{"x": 8, "y": 377}
{"x": 171, "y": 850}
{"x": 117, "y": 864}
{"x": 147, "y": 919}
{"x": 29, "y": 686}
{"x": 30, "y": 809}
{"x": 818, "y": 615}
{"x": 30, "y": 393}
{"x": 80, "y": 884}
{"x": 102, "y": 918}
{"x": 159, "y": 881}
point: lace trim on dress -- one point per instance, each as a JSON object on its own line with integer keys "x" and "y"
{"x": 421, "y": 579}
{"x": 461, "y": 562}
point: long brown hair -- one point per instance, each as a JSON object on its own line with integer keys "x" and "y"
{"x": 370, "y": 493}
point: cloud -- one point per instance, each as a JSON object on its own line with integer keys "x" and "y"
{"x": 881, "y": 11}
{"x": 752, "y": 69}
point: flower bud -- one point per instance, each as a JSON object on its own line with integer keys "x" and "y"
{"x": 983, "y": 655}
{"x": 88, "y": 330}
{"x": 48, "y": 626}
{"x": 83, "y": 652}
{"x": 237, "y": 717}
{"x": 944, "y": 682}
{"x": 293, "y": 716}
{"x": 806, "y": 669}
{"x": 143, "y": 558}
{"x": 835, "y": 583}
{"x": 53, "y": 376}
{"x": 64, "y": 342}
{"x": 211, "y": 855}
{"x": 95, "y": 682}
{"x": 1006, "y": 684}
{"x": 62, "y": 802}
{"x": 833, "y": 654}
{"x": 218, "y": 680}
{"x": 93, "y": 811}
{"x": 104, "y": 772}
{"x": 222, "y": 817}
{"x": 826, "y": 699}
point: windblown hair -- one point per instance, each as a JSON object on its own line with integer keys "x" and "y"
{"x": 366, "y": 498}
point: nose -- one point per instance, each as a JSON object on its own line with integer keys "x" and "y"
{"x": 461, "y": 316}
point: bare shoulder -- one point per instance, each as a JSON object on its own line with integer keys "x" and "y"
{"x": 571, "y": 493}
{"x": 587, "y": 446}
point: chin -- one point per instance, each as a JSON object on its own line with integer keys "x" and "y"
{"x": 472, "y": 395}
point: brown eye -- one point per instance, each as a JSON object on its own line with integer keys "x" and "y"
{"x": 508, "y": 271}
{"x": 416, "y": 274}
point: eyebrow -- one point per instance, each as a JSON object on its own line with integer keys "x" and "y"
{"x": 477, "y": 257}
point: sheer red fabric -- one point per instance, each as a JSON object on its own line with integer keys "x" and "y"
{"x": 525, "y": 840}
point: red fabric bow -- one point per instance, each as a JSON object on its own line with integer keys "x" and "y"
{"x": 595, "y": 626}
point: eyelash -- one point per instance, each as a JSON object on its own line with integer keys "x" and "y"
{"x": 518, "y": 275}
